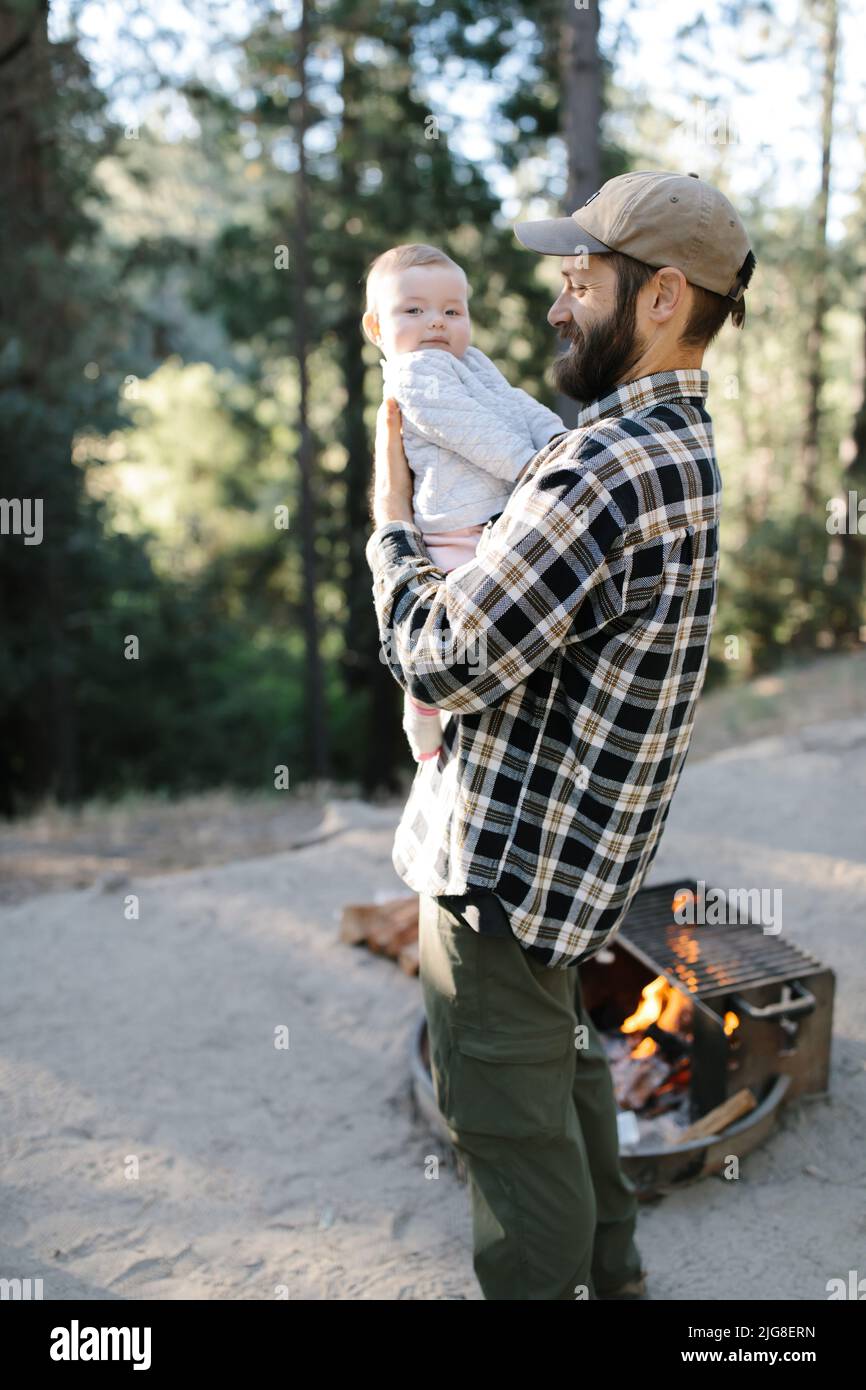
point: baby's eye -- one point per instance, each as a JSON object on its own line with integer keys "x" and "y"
{"x": 414, "y": 310}
{"x": 453, "y": 311}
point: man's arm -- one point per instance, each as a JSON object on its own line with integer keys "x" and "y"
{"x": 550, "y": 572}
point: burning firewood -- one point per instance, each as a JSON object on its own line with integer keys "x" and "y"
{"x": 638, "y": 1088}
{"x": 673, "y": 1046}
{"x": 650, "y": 1058}
{"x": 661, "y": 1005}
{"x": 672, "y": 1094}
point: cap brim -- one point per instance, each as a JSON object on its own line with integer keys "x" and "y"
{"x": 558, "y": 236}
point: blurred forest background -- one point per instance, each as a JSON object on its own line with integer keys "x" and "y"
{"x": 189, "y": 197}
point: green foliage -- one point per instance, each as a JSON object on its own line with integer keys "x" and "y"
{"x": 150, "y": 389}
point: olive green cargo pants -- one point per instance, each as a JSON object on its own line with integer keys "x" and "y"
{"x": 524, "y": 1086}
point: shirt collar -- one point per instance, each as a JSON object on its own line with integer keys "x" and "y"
{"x": 646, "y": 391}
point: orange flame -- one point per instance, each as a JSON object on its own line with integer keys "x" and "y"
{"x": 659, "y": 1003}
{"x": 650, "y": 1007}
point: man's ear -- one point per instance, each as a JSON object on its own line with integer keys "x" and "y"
{"x": 370, "y": 325}
{"x": 669, "y": 290}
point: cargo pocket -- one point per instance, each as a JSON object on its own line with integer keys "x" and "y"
{"x": 516, "y": 1087}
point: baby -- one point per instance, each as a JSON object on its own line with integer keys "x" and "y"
{"x": 468, "y": 434}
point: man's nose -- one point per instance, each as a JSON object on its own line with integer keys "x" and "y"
{"x": 558, "y": 313}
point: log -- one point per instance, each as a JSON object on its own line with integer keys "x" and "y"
{"x": 389, "y": 937}
{"x": 379, "y": 921}
{"x": 647, "y": 1073}
{"x": 716, "y": 1121}
{"x": 408, "y": 959}
{"x": 672, "y": 1045}
{"x": 355, "y": 922}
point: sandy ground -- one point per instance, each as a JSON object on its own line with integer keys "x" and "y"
{"x": 154, "y": 1143}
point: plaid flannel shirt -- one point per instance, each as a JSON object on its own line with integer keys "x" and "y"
{"x": 570, "y": 654}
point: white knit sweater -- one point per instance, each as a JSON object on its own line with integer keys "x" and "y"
{"x": 466, "y": 431}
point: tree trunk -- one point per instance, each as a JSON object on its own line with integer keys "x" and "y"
{"x": 811, "y": 456}
{"x": 314, "y": 686}
{"x": 581, "y": 106}
{"x": 580, "y": 84}
{"x": 366, "y": 676}
{"x": 852, "y": 567}
{"x": 32, "y": 221}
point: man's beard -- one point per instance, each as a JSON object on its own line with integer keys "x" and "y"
{"x": 600, "y": 356}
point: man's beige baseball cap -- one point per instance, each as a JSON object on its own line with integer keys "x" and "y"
{"x": 659, "y": 218}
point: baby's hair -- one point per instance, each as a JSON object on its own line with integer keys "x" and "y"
{"x": 401, "y": 258}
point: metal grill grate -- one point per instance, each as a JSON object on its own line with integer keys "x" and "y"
{"x": 705, "y": 959}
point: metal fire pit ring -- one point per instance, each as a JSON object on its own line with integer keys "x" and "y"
{"x": 654, "y": 1172}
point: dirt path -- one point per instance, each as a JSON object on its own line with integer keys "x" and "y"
{"x": 151, "y": 1042}
{"x": 104, "y": 843}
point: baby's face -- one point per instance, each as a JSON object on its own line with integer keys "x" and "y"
{"x": 424, "y": 306}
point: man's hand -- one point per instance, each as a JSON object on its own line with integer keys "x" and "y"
{"x": 392, "y": 479}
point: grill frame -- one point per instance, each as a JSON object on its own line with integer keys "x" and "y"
{"x": 751, "y": 957}
{"x": 791, "y": 1038}
{"x": 780, "y": 1056}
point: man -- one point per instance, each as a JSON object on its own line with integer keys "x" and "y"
{"x": 570, "y": 655}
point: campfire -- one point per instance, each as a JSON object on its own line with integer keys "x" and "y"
{"x": 703, "y": 1025}
{"x": 650, "y": 1062}
{"x": 709, "y": 1029}
{"x": 650, "y": 1057}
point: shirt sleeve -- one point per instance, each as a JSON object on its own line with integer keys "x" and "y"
{"x": 550, "y": 572}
